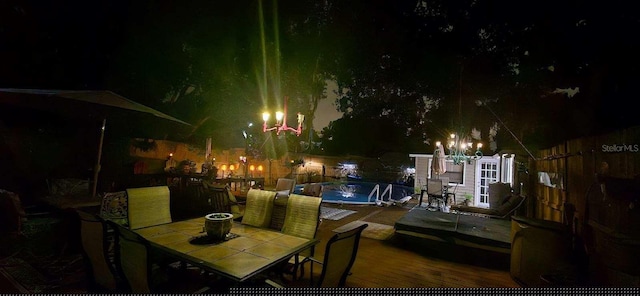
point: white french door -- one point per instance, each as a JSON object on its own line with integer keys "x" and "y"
{"x": 487, "y": 172}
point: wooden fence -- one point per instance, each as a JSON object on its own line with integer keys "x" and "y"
{"x": 593, "y": 185}
{"x": 573, "y": 167}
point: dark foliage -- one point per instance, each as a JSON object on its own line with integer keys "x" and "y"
{"x": 409, "y": 71}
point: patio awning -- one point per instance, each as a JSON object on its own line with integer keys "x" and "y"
{"x": 134, "y": 119}
{"x": 96, "y": 103}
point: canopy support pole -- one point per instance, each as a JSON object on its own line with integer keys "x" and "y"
{"x": 97, "y": 168}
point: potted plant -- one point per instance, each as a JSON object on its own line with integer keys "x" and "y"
{"x": 218, "y": 225}
{"x": 468, "y": 199}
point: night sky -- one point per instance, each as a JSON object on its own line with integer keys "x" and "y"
{"x": 514, "y": 55}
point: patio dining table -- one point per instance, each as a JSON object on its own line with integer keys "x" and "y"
{"x": 249, "y": 251}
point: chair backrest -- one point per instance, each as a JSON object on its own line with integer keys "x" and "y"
{"x": 302, "y": 216}
{"x": 513, "y": 203}
{"x": 95, "y": 249}
{"x": 434, "y": 187}
{"x": 132, "y": 259}
{"x": 339, "y": 256}
{"x": 258, "y": 208}
{"x": 148, "y": 206}
{"x": 114, "y": 207}
{"x": 285, "y": 184}
{"x": 312, "y": 189}
{"x": 221, "y": 200}
{"x": 498, "y": 193}
{"x": 279, "y": 210}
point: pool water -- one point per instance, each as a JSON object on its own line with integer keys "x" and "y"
{"x": 358, "y": 192}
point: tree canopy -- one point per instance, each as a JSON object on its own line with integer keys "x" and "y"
{"x": 408, "y": 72}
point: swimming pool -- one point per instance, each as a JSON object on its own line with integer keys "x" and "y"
{"x": 359, "y": 192}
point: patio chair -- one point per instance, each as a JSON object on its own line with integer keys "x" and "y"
{"x": 285, "y": 184}
{"x": 435, "y": 191}
{"x": 148, "y": 206}
{"x": 302, "y": 220}
{"x": 284, "y": 187}
{"x": 114, "y": 207}
{"x": 312, "y": 189}
{"x": 219, "y": 199}
{"x": 339, "y": 256}
{"x": 95, "y": 243}
{"x": 259, "y": 208}
{"x": 135, "y": 265}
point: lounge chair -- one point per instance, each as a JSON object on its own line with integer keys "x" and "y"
{"x": 505, "y": 210}
{"x": 502, "y": 202}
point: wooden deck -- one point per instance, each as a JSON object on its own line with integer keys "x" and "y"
{"x": 481, "y": 233}
{"x": 408, "y": 263}
{"x": 393, "y": 263}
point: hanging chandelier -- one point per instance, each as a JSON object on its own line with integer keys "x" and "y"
{"x": 460, "y": 150}
{"x": 281, "y": 121}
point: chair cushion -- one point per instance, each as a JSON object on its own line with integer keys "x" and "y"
{"x": 114, "y": 207}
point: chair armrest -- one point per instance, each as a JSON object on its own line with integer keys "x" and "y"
{"x": 314, "y": 260}
{"x": 477, "y": 210}
{"x": 273, "y": 284}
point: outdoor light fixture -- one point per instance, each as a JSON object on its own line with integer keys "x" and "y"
{"x": 223, "y": 168}
{"x": 459, "y": 150}
{"x": 281, "y": 121}
{"x": 243, "y": 161}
